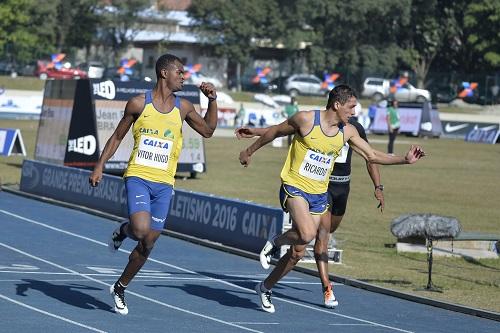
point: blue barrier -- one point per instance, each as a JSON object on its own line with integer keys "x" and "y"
{"x": 235, "y": 223}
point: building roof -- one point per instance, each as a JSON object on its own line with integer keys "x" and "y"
{"x": 157, "y": 36}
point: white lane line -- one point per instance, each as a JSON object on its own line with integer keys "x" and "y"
{"x": 349, "y": 325}
{"x": 253, "y": 323}
{"x": 128, "y": 292}
{"x": 192, "y": 272}
{"x": 50, "y": 314}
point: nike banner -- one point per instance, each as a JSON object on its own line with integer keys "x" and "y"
{"x": 460, "y": 129}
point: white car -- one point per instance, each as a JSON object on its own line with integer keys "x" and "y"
{"x": 304, "y": 84}
{"x": 198, "y": 77}
{"x": 378, "y": 89}
{"x": 94, "y": 69}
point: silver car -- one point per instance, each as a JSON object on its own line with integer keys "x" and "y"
{"x": 378, "y": 89}
{"x": 304, "y": 84}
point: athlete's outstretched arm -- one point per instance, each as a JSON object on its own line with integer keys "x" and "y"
{"x": 374, "y": 156}
{"x": 374, "y": 173}
{"x": 245, "y": 132}
{"x": 267, "y": 135}
{"x": 204, "y": 126}
{"x": 132, "y": 110}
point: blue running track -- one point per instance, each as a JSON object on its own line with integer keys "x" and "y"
{"x": 55, "y": 273}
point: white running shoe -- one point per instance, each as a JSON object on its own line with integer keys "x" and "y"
{"x": 119, "y": 300}
{"x": 330, "y": 300}
{"x": 265, "y": 298}
{"x": 266, "y": 253}
{"x": 114, "y": 241}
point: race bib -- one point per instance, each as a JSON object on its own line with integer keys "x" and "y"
{"x": 154, "y": 152}
{"x": 316, "y": 166}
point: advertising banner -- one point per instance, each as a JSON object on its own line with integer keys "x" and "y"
{"x": 230, "y": 222}
{"x": 55, "y": 119}
{"x": 409, "y": 117}
{"x": 79, "y": 116}
{"x": 72, "y": 185}
{"x": 488, "y": 134}
{"x": 11, "y": 142}
{"x": 234, "y": 223}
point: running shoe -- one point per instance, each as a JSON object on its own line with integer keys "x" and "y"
{"x": 266, "y": 253}
{"x": 330, "y": 300}
{"x": 115, "y": 241}
{"x": 118, "y": 295}
{"x": 265, "y": 298}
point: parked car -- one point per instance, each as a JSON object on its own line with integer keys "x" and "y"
{"x": 248, "y": 84}
{"x": 277, "y": 85}
{"x": 378, "y": 89}
{"x": 43, "y": 71}
{"x": 113, "y": 73}
{"x": 8, "y": 68}
{"x": 304, "y": 84}
{"x": 199, "y": 77}
{"x": 94, "y": 69}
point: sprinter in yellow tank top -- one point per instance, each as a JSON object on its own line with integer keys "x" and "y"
{"x": 319, "y": 137}
{"x": 157, "y": 118}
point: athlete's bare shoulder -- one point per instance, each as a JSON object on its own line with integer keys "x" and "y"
{"x": 135, "y": 105}
{"x": 185, "y": 107}
{"x": 350, "y": 130}
{"x": 303, "y": 117}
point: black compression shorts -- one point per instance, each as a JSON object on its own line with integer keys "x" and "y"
{"x": 337, "y": 198}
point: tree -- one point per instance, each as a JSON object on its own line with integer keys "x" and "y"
{"x": 119, "y": 24}
{"x": 26, "y": 29}
{"x": 235, "y": 28}
{"x": 78, "y": 23}
{"x": 433, "y": 27}
{"x": 482, "y": 22}
{"x": 357, "y": 37}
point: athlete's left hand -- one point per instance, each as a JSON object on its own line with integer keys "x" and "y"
{"x": 208, "y": 89}
{"x": 414, "y": 154}
{"x": 244, "y": 158}
{"x": 379, "y": 195}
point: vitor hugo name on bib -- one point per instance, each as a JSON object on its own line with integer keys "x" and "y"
{"x": 154, "y": 152}
{"x": 316, "y": 165}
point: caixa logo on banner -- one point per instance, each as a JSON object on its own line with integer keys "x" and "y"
{"x": 30, "y": 175}
{"x": 105, "y": 89}
{"x": 84, "y": 145}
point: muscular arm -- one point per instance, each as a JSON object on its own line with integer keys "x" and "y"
{"x": 267, "y": 135}
{"x": 204, "y": 126}
{"x": 374, "y": 156}
{"x": 132, "y": 111}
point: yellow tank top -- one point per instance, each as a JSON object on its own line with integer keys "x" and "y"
{"x": 157, "y": 143}
{"x": 311, "y": 158}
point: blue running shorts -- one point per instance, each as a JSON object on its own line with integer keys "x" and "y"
{"x": 318, "y": 203}
{"x": 152, "y": 197}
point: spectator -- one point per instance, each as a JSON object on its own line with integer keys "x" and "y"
{"x": 239, "y": 120}
{"x": 392, "y": 124}
{"x": 372, "y": 112}
{"x": 290, "y": 110}
{"x": 262, "y": 121}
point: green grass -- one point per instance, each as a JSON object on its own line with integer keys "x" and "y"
{"x": 456, "y": 179}
{"x": 22, "y": 83}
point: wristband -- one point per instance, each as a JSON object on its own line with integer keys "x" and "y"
{"x": 379, "y": 187}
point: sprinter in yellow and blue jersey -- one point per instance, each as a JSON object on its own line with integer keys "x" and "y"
{"x": 319, "y": 137}
{"x": 156, "y": 118}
